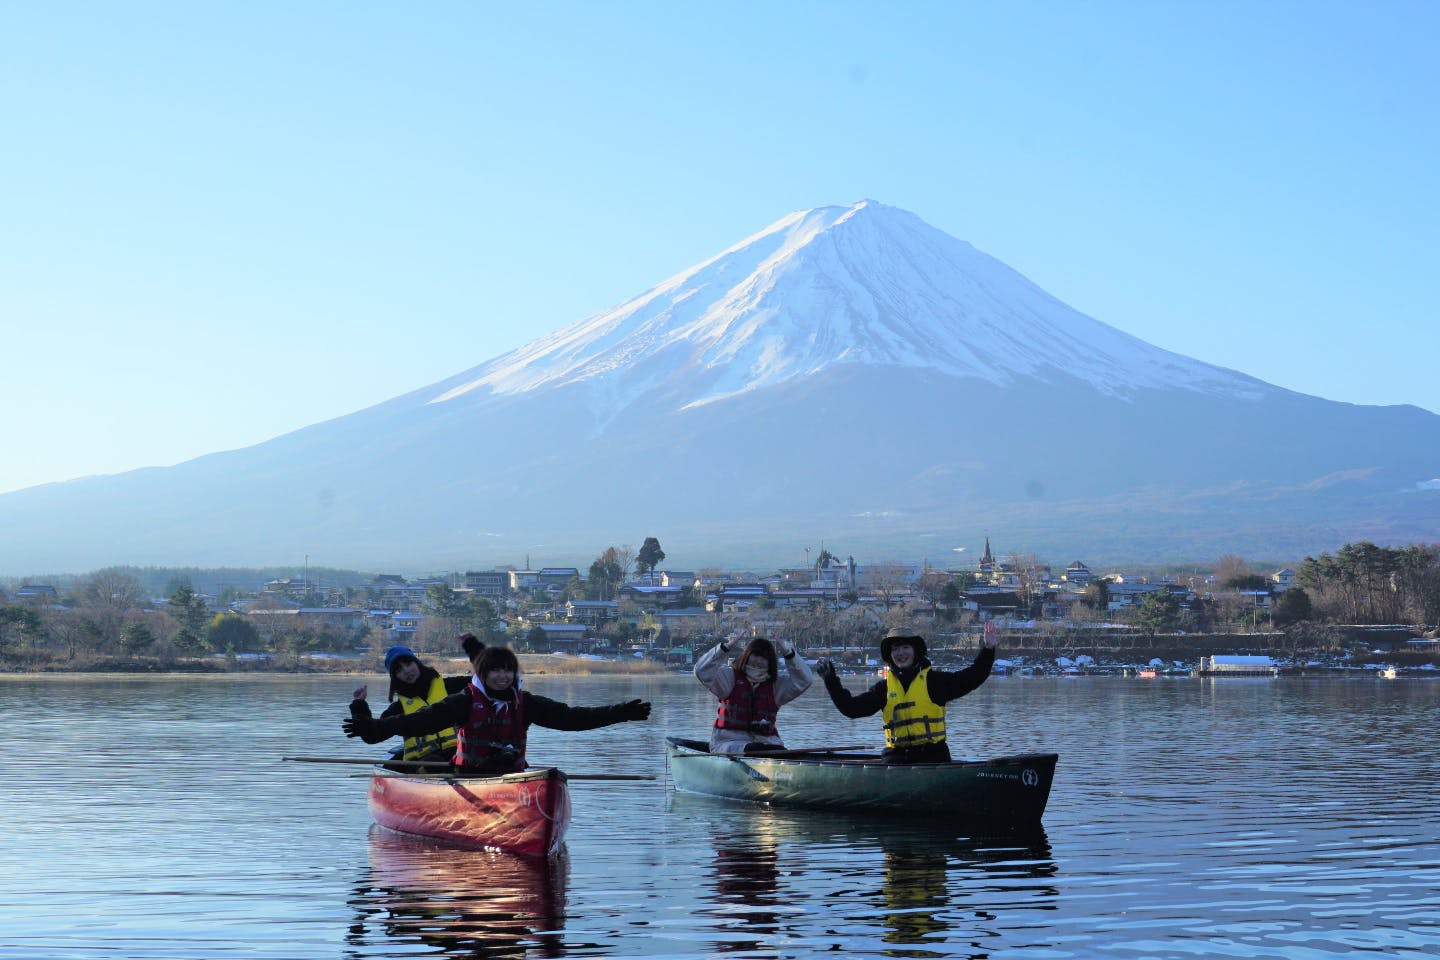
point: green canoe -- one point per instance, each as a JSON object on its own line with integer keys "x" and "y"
{"x": 1010, "y": 791}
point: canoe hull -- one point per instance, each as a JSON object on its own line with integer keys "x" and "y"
{"x": 1004, "y": 791}
{"x": 526, "y": 813}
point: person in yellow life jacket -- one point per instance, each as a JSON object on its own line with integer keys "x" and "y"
{"x": 414, "y": 686}
{"x": 912, "y": 696}
{"x": 751, "y": 692}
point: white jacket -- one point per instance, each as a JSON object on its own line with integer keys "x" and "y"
{"x": 714, "y": 670}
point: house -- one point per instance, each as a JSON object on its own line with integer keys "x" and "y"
{"x": 557, "y": 576}
{"x": 677, "y": 578}
{"x": 490, "y": 584}
{"x": 802, "y": 597}
{"x": 651, "y": 596}
{"x": 734, "y": 596}
{"x": 989, "y": 604}
{"x": 523, "y": 579}
{"x": 593, "y": 612}
{"x": 404, "y": 623}
{"x": 1283, "y": 580}
{"x": 36, "y": 593}
{"x": 393, "y": 591}
{"x": 835, "y": 574}
{"x": 691, "y": 618}
{"x": 295, "y": 588}
{"x": 570, "y": 637}
{"x": 1077, "y": 573}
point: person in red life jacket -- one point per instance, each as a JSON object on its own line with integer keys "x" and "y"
{"x": 751, "y": 692}
{"x": 414, "y": 686}
{"x": 491, "y": 716}
{"x": 912, "y": 696}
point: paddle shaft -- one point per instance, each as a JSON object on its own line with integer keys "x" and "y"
{"x": 434, "y": 765}
{"x": 766, "y": 754}
{"x": 392, "y": 764}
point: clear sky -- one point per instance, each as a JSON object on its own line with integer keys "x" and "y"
{"x": 226, "y": 221}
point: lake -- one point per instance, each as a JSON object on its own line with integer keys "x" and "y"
{"x": 1298, "y": 818}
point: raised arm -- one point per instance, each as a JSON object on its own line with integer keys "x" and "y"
{"x": 798, "y": 675}
{"x": 714, "y": 671}
{"x": 852, "y": 705}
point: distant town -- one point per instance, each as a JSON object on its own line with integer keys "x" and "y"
{"x": 1366, "y": 607}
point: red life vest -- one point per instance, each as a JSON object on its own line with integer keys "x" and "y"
{"x": 749, "y": 707}
{"x": 491, "y": 721}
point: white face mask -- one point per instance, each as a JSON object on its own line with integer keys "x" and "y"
{"x": 757, "y": 671}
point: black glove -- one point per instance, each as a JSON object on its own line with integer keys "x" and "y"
{"x": 503, "y": 756}
{"x": 634, "y": 710}
{"x": 362, "y": 727}
{"x": 359, "y": 708}
{"x": 825, "y": 668}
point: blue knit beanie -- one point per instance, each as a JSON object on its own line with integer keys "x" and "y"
{"x": 395, "y": 653}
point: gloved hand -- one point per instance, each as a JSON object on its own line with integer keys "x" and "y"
{"x": 360, "y": 708}
{"x": 362, "y": 727}
{"x": 503, "y": 755}
{"x": 825, "y": 668}
{"x": 635, "y": 710}
{"x": 785, "y": 648}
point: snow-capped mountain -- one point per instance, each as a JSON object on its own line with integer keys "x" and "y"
{"x": 860, "y": 285}
{"x": 847, "y": 374}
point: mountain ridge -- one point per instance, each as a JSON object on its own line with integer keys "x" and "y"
{"x": 777, "y": 271}
{"x": 846, "y": 373}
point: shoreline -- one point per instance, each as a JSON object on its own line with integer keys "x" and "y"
{"x": 531, "y": 664}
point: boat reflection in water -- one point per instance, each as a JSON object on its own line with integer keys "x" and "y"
{"x": 916, "y": 887}
{"x": 747, "y": 887}
{"x": 461, "y": 903}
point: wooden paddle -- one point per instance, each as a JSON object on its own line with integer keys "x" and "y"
{"x": 439, "y": 765}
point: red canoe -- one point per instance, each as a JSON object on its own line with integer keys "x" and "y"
{"x": 525, "y": 813}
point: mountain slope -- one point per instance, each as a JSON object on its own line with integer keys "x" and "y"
{"x": 859, "y": 285}
{"x": 848, "y": 374}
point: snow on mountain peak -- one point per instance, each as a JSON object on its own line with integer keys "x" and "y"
{"x": 861, "y": 284}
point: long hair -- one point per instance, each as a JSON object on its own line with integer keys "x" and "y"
{"x": 420, "y": 687}
{"x": 763, "y": 648}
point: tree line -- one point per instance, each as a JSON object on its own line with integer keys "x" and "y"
{"x": 109, "y": 614}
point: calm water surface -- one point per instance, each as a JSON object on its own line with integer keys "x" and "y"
{"x": 1189, "y": 818}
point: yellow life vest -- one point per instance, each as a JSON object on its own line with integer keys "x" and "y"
{"x": 911, "y": 717}
{"x": 417, "y": 747}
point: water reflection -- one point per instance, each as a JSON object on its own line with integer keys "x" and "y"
{"x": 746, "y": 871}
{"x": 906, "y": 889}
{"x": 463, "y": 903}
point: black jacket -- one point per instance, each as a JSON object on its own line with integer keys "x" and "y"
{"x": 359, "y": 708}
{"x": 943, "y": 685}
{"x": 454, "y": 711}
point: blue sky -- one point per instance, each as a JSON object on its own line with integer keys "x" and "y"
{"x": 226, "y": 221}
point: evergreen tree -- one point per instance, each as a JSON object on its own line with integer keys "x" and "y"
{"x": 650, "y": 555}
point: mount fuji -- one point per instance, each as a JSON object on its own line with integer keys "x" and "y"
{"x": 848, "y": 374}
